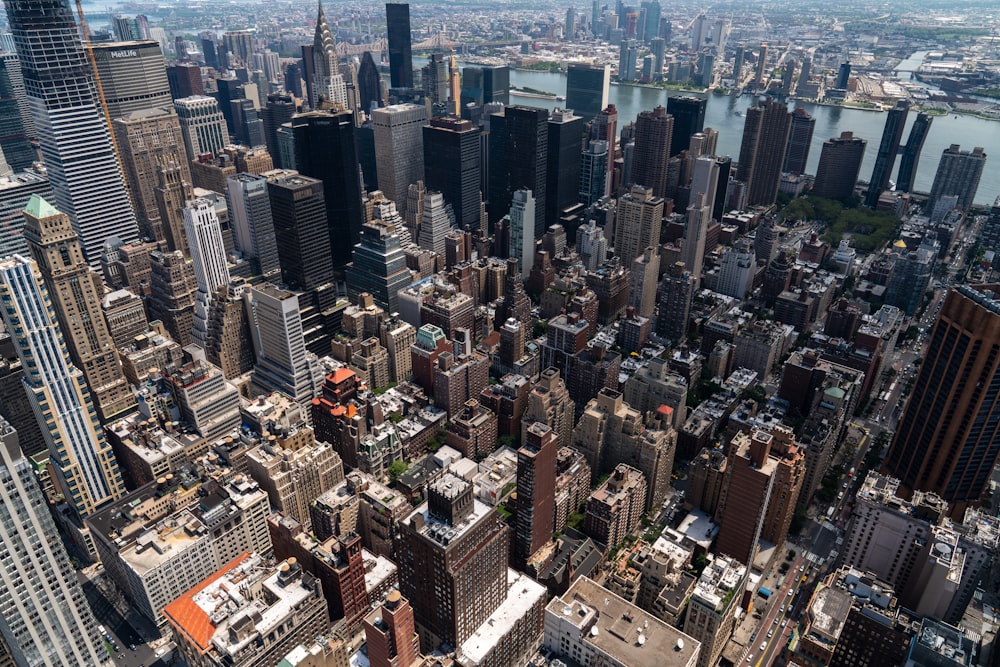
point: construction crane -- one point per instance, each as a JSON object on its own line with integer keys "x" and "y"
{"x": 100, "y": 89}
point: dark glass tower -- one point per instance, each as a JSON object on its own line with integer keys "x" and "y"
{"x": 762, "y": 151}
{"x": 298, "y": 212}
{"x": 587, "y": 89}
{"x": 279, "y": 110}
{"x": 325, "y": 149}
{"x": 799, "y": 140}
{"x": 563, "y": 180}
{"x": 895, "y": 121}
{"x": 453, "y": 167}
{"x": 397, "y": 22}
{"x": 13, "y": 135}
{"x": 654, "y": 132}
{"x": 949, "y": 437}
{"x": 482, "y": 85}
{"x": 379, "y": 266}
{"x": 911, "y": 152}
{"x": 689, "y": 118}
{"x": 519, "y": 142}
{"x": 369, "y": 83}
{"x": 76, "y": 144}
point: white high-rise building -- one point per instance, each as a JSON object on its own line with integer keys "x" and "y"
{"x": 44, "y": 616}
{"x": 522, "y": 229}
{"x": 85, "y": 467}
{"x": 86, "y": 176}
{"x": 208, "y": 257}
{"x": 592, "y": 245}
{"x": 699, "y": 215}
{"x": 736, "y": 271}
{"x": 705, "y": 179}
{"x": 282, "y": 362}
{"x": 253, "y": 224}
{"x": 399, "y": 149}
{"x": 437, "y": 222}
{"x": 202, "y": 125}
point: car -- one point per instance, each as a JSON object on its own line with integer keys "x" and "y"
{"x": 132, "y": 646}
{"x": 750, "y": 658}
{"x": 790, "y": 592}
{"x": 802, "y": 568}
{"x": 770, "y": 633}
{"x": 784, "y": 623}
{"x": 782, "y": 610}
{"x": 763, "y": 646}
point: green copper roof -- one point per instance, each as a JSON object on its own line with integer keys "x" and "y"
{"x": 39, "y": 208}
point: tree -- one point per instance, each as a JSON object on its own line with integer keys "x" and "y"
{"x": 396, "y": 468}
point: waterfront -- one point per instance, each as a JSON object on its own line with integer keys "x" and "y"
{"x": 721, "y": 115}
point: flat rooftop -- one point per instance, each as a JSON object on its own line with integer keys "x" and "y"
{"x": 523, "y": 593}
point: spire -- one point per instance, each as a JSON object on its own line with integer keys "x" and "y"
{"x": 323, "y": 41}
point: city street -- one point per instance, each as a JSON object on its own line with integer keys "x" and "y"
{"x": 101, "y": 596}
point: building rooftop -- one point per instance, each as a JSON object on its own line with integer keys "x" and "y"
{"x": 523, "y": 593}
{"x": 719, "y": 582}
{"x": 828, "y": 612}
{"x": 620, "y": 629}
{"x": 444, "y": 533}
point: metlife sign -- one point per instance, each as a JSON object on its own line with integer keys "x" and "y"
{"x": 124, "y": 53}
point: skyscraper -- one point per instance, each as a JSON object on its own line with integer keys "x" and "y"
{"x": 799, "y": 139}
{"x": 253, "y": 224}
{"x": 699, "y": 215}
{"x": 563, "y": 170}
{"x": 587, "y": 87}
{"x": 44, "y": 619}
{"x": 689, "y": 118}
{"x": 397, "y": 22}
{"x": 324, "y": 149}
{"x": 911, "y": 152}
{"x": 369, "y": 83}
{"x": 958, "y": 174}
{"x": 148, "y": 140}
{"x": 839, "y": 166}
{"x": 675, "y": 303}
{"x": 390, "y": 633}
{"x": 327, "y": 82}
{"x": 76, "y": 300}
{"x": 895, "y": 121}
{"x": 133, "y": 76}
{"x": 14, "y": 142}
{"x": 843, "y": 76}
{"x": 653, "y": 132}
{"x": 202, "y": 125}
{"x": 399, "y": 148}
{"x": 453, "y": 166}
{"x": 208, "y": 256}
{"x": 85, "y": 467}
{"x": 536, "y": 487}
{"x": 76, "y": 144}
{"x": 626, "y": 60}
{"x": 485, "y": 84}
{"x": 522, "y": 238}
{"x": 298, "y": 212}
{"x": 276, "y": 326}
{"x": 379, "y": 266}
{"x": 762, "y": 152}
{"x": 637, "y": 223}
{"x": 519, "y": 138}
{"x": 593, "y": 172}
{"x": 434, "y": 76}
{"x": 948, "y": 440}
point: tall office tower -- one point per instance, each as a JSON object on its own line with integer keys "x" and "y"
{"x": 452, "y": 558}
{"x": 171, "y": 293}
{"x": 911, "y": 152}
{"x": 148, "y": 140}
{"x": 185, "y": 80}
{"x": 762, "y": 152}
{"x": 643, "y": 282}
{"x": 247, "y": 123}
{"x": 653, "y": 132}
{"x": 675, "y": 303}
{"x": 45, "y": 618}
{"x": 76, "y": 145}
{"x": 14, "y": 143}
{"x": 637, "y": 223}
{"x": 486, "y": 84}
{"x": 133, "y": 76}
{"x": 746, "y": 492}
{"x": 399, "y": 149}
{"x": 736, "y": 270}
{"x": 298, "y": 213}
{"x": 738, "y": 65}
{"x": 522, "y": 239}
{"x": 202, "y": 125}
{"x": 76, "y": 299}
{"x": 324, "y": 149}
{"x": 805, "y": 72}
{"x": 238, "y": 44}
{"x": 84, "y": 465}
{"x": 705, "y": 179}
{"x": 15, "y": 190}
{"x": 948, "y": 440}
{"x": 434, "y": 77}
{"x": 390, "y": 633}
{"x": 229, "y": 88}
{"x": 958, "y": 175}
{"x": 208, "y": 255}
{"x": 605, "y": 128}
{"x": 453, "y": 167}
{"x": 536, "y": 490}
{"x": 593, "y": 173}
{"x": 591, "y": 245}
{"x": 799, "y": 139}
{"x": 570, "y": 30}
{"x": 253, "y": 225}
{"x": 172, "y": 190}
{"x": 437, "y": 220}
{"x": 843, "y": 75}
{"x": 563, "y": 170}
{"x": 895, "y": 121}
{"x": 279, "y": 110}
{"x": 657, "y": 47}
{"x": 587, "y": 88}
{"x": 651, "y": 27}
{"x": 369, "y": 84}
{"x": 379, "y": 266}
{"x": 839, "y": 166}
{"x": 699, "y": 215}
{"x": 761, "y": 66}
{"x": 276, "y": 326}
{"x": 397, "y": 23}
{"x": 689, "y": 118}
{"x": 627, "y": 56}
{"x": 519, "y": 145}
{"x": 327, "y": 82}
{"x": 787, "y": 78}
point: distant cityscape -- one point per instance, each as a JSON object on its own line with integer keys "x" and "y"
{"x": 468, "y": 335}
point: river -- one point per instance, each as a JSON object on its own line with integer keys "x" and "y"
{"x": 721, "y": 115}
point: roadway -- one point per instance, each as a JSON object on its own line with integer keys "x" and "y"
{"x": 110, "y": 609}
